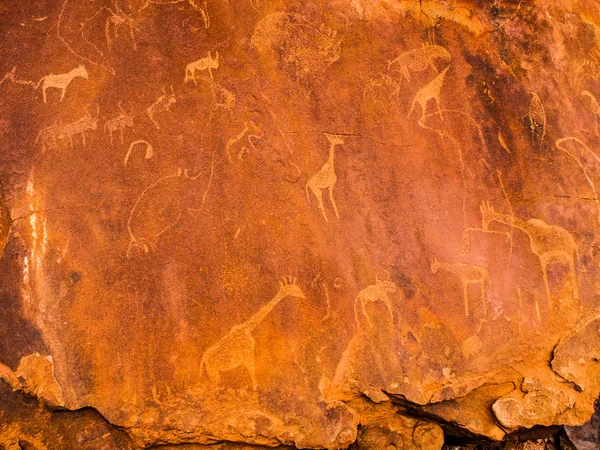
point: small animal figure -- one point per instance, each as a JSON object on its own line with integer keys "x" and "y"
{"x": 80, "y": 126}
{"x": 119, "y": 123}
{"x": 61, "y": 81}
{"x": 207, "y": 63}
{"x": 244, "y": 140}
{"x": 373, "y": 293}
{"x": 468, "y": 274}
{"x": 162, "y": 104}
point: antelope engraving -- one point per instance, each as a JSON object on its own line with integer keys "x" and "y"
{"x": 207, "y": 63}
{"x": 594, "y": 107}
{"x": 468, "y": 274}
{"x": 61, "y": 81}
{"x": 536, "y": 116}
{"x": 325, "y": 178}
{"x": 419, "y": 59}
{"x": 246, "y": 138}
{"x": 162, "y": 104}
{"x": 431, "y": 91}
{"x": 236, "y": 348}
{"x": 119, "y": 123}
{"x": 550, "y": 243}
{"x": 373, "y": 293}
{"x": 80, "y": 126}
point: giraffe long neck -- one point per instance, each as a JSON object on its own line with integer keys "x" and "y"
{"x": 331, "y": 153}
{"x": 512, "y": 221}
{"x": 258, "y": 317}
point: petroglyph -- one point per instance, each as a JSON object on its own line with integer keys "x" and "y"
{"x": 160, "y": 206}
{"x": 116, "y": 20}
{"x": 585, "y": 161}
{"x": 298, "y": 45}
{"x": 61, "y": 81}
{"x": 162, "y": 104}
{"x": 468, "y": 274}
{"x": 325, "y": 178}
{"x": 148, "y": 152}
{"x": 374, "y": 293}
{"x": 155, "y": 212}
{"x": 244, "y": 140}
{"x": 208, "y": 63}
{"x": 550, "y": 243}
{"x": 236, "y": 348}
{"x": 537, "y": 116}
{"x": 431, "y": 91}
{"x": 119, "y": 123}
{"x": 87, "y": 122}
{"x": 594, "y": 107}
{"x": 12, "y": 76}
{"x": 503, "y": 142}
{"x": 419, "y": 59}
{"x": 5, "y": 220}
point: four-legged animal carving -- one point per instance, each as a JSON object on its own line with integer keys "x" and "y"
{"x": 162, "y": 103}
{"x": 431, "y": 91}
{"x": 550, "y": 243}
{"x": 373, "y": 293}
{"x": 119, "y": 123}
{"x": 419, "y": 59}
{"x": 61, "y": 81}
{"x": 236, "y": 348}
{"x": 247, "y": 137}
{"x": 207, "y": 63}
{"x": 325, "y": 178}
{"x": 468, "y": 274}
{"x": 80, "y": 126}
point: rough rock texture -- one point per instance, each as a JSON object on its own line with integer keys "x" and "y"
{"x": 311, "y": 224}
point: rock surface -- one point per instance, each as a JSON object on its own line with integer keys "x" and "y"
{"x": 309, "y": 224}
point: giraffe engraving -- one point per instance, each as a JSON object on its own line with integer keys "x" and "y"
{"x": 236, "y": 348}
{"x": 325, "y": 178}
{"x": 431, "y": 91}
{"x": 468, "y": 274}
{"x": 550, "y": 243}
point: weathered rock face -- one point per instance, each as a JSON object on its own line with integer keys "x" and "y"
{"x": 296, "y": 223}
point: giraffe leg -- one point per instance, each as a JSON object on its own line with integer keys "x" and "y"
{"x": 364, "y": 310}
{"x": 546, "y": 283}
{"x": 44, "y": 95}
{"x": 62, "y": 95}
{"x": 252, "y": 371}
{"x": 319, "y": 194}
{"x": 573, "y": 274}
{"x": 333, "y": 202}
{"x": 213, "y": 374}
